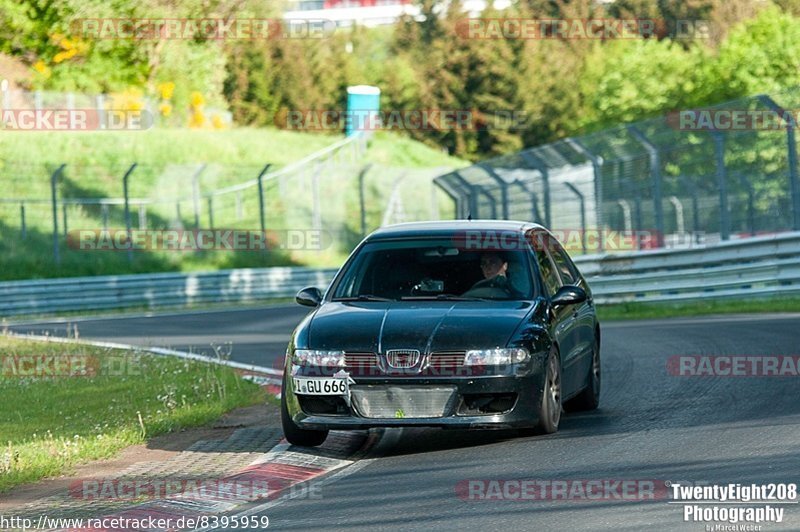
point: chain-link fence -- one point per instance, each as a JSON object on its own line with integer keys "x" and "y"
{"x": 316, "y": 209}
{"x": 686, "y": 178}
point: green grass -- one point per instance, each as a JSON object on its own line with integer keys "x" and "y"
{"x": 167, "y": 160}
{"x": 49, "y": 424}
{"x": 640, "y": 311}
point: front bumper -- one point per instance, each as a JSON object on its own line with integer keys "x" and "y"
{"x": 496, "y": 401}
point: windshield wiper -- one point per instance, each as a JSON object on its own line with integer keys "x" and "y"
{"x": 442, "y": 297}
{"x": 363, "y": 297}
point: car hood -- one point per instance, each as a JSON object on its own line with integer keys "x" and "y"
{"x": 424, "y": 325}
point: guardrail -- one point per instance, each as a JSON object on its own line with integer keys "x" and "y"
{"x": 156, "y": 290}
{"x": 752, "y": 267}
{"x": 759, "y": 266}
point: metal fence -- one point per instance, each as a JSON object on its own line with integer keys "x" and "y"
{"x": 755, "y": 267}
{"x": 332, "y": 192}
{"x": 671, "y": 177}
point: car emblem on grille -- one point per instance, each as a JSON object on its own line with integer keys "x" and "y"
{"x": 402, "y": 358}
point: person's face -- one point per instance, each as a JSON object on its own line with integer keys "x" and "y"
{"x": 493, "y": 265}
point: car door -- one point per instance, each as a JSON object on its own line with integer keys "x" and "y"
{"x": 563, "y": 321}
{"x": 583, "y": 313}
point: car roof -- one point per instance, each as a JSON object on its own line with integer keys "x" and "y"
{"x": 448, "y": 228}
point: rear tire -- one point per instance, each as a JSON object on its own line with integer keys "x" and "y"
{"x": 589, "y": 398}
{"x": 550, "y": 406}
{"x": 294, "y": 434}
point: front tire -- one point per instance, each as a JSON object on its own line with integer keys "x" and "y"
{"x": 550, "y": 406}
{"x": 294, "y": 434}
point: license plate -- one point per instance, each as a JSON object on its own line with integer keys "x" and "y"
{"x": 330, "y": 386}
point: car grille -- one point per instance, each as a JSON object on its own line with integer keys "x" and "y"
{"x": 403, "y": 401}
{"x": 361, "y": 363}
{"x": 447, "y": 360}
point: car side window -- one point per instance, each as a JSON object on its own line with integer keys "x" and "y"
{"x": 548, "y": 272}
{"x": 563, "y": 264}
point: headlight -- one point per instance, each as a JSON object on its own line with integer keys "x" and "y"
{"x": 316, "y": 357}
{"x": 496, "y": 357}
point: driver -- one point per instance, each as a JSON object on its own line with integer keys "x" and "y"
{"x": 494, "y": 268}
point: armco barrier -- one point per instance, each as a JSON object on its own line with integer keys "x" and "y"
{"x": 760, "y": 266}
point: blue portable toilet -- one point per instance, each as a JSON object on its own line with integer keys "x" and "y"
{"x": 363, "y": 107}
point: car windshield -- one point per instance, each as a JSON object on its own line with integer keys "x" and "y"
{"x": 434, "y": 269}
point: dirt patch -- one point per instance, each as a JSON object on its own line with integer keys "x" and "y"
{"x": 157, "y": 449}
{"x": 14, "y": 71}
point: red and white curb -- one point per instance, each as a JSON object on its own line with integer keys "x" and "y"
{"x": 283, "y": 467}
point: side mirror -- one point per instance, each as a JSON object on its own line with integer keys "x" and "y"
{"x": 309, "y": 297}
{"x": 569, "y": 295}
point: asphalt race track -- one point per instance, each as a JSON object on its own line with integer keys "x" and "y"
{"x": 652, "y": 427}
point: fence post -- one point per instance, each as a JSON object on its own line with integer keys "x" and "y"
{"x": 100, "y": 105}
{"x": 316, "y": 208}
{"x": 22, "y": 220}
{"x": 64, "y": 214}
{"x": 583, "y": 213}
{"x": 362, "y": 201}
{"x": 655, "y": 172}
{"x": 503, "y": 189}
{"x": 261, "y": 198}
{"x": 597, "y": 164}
{"x": 537, "y": 164}
{"x": 722, "y": 183}
{"x": 473, "y": 200}
{"x": 794, "y": 182}
{"x": 455, "y": 196}
{"x": 680, "y": 222}
{"x": 626, "y": 215}
{"x": 751, "y": 203}
{"x": 196, "y": 195}
{"x": 128, "y": 210}
{"x": 695, "y": 208}
{"x": 54, "y": 196}
{"x": 210, "y": 201}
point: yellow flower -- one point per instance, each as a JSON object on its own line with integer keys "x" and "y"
{"x": 127, "y": 100}
{"x": 62, "y": 56}
{"x": 217, "y": 122}
{"x": 166, "y": 89}
{"x": 197, "y": 99}
{"x": 197, "y": 119}
{"x": 40, "y": 67}
{"x": 165, "y": 109}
